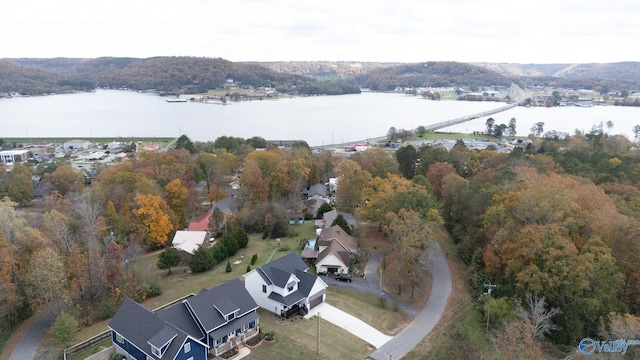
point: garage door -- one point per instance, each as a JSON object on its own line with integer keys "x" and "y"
{"x": 315, "y": 301}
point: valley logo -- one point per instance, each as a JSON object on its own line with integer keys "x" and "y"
{"x": 588, "y": 346}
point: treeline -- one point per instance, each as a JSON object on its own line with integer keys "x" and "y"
{"x": 324, "y": 70}
{"x": 18, "y": 79}
{"x": 553, "y": 225}
{"x": 454, "y": 74}
{"x": 430, "y": 74}
{"x": 176, "y": 75}
{"x": 556, "y": 222}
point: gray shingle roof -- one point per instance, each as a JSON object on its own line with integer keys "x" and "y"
{"x": 139, "y": 326}
{"x": 203, "y": 304}
{"x": 279, "y": 272}
{"x": 288, "y": 300}
{"x": 279, "y": 277}
{"x": 179, "y": 316}
{"x": 289, "y": 263}
{"x": 225, "y": 306}
{"x": 163, "y": 337}
{"x": 306, "y": 282}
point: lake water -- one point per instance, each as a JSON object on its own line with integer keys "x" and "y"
{"x": 318, "y": 120}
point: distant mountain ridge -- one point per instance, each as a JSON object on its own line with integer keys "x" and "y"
{"x": 197, "y": 74}
{"x": 387, "y": 76}
{"x": 168, "y": 75}
{"x": 627, "y": 70}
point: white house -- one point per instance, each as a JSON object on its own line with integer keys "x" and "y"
{"x": 187, "y": 242}
{"x": 284, "y": 287}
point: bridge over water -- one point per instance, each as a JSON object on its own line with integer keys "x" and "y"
{"x": 519, "y": 97}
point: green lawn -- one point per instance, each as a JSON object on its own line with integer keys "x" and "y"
{"x": 296, "y": 338}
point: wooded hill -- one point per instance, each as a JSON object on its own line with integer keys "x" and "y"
{"x": 163, "y": 74}
{"x": 387, "y": 76}
{"x": 193, "y": 74}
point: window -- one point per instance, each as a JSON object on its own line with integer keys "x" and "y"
{"x": 264, "y": 289}
{"x": 231, "y": 316}
{"x": 187, "y": 347}
{"x": 119, "y": 338}
{"x": 156, "y": 351}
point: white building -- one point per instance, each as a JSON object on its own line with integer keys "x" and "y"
{"x": 14, "y": 156}
{"x": 284, "y": 287}
{"x": 76, "y": 144}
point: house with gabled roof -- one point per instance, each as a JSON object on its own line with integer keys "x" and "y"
{"x": 315, "y": 191}
{"x": 137, "y": 333}
{"x": 201, "y": 223}
{"x": 330, "y": 216}
{"x": 334, "y": 249}
{"x": 284, "y": 287}
{"x": 187, "y": 242}
{"x": 216, "y": 319}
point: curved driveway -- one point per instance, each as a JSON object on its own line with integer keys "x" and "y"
{"x": 427, "y": 317}
{"x": 28, "y": 345}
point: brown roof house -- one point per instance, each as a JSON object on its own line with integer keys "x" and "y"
{"x": 334, "y": 251}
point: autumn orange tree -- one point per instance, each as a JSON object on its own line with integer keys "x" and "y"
{"x": 152, "y": 212}
{"x": 176, "y": 197}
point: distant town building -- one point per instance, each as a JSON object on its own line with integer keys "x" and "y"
{"x": 76, "y": 144}
{"x": 14, "y": 156}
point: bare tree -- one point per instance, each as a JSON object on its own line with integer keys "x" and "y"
{"x": 522, "y": 336}
{"x": 538, "y": 315}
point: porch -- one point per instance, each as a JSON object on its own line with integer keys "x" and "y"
{"x": 233, "y": 342}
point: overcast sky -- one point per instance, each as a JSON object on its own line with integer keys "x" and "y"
{"x": 536, "y": 31}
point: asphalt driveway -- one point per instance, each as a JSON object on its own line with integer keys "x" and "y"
{"x": 350, "y": 323}
{"x": 427, "y": 317}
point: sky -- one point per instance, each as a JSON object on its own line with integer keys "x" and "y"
{"x": 537, "y": 31}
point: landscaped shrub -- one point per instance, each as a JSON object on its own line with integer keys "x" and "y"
{"x": 154, "y": 290}
{"x": 248, "y": 268}
{"x": 254, "y": 258}
{"x": 228, "y": 269}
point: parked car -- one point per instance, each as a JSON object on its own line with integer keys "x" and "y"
{"x": 343, "y": 277}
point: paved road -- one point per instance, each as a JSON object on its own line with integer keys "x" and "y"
{"x": 28, "y": 345}
{"x": 371, "y": 285}
{"x": 427, "y": 318}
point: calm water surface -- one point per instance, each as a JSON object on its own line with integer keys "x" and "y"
{"x": 318, "y": 120}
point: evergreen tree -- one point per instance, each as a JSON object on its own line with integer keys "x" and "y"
{"x": 340, "y": 221}
{"x": 326, "y": 207}
{"x": 241, "y": 237}
{"x": 228, "y": 269}
{"x": 169, "y": 258}
{"x": 202, "y": 260}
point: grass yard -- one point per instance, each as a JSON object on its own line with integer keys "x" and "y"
{"x": 90, "y": 351}
{"x": 368, "y": 308}
{"x": 297, "y": 339}
{"x": 182, "y": 282}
